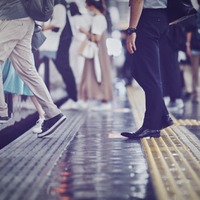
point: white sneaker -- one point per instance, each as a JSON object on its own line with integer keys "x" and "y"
{"x": 38, "y": 127}
{"x": 166, "y": 100}
{"x": 180, "y": 103}
{"x": 106, "y": 106}
{"x": 175, "y": 106}
{"x": 82, "y": 104}
{"x": 103, "y": 107}
{"x": 70, "y": 104}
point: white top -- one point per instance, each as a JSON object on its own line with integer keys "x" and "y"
{"x": 58, "y": 20}
{"x": 99, "y": 24}
{"x": 155, "y": 4}
{"x": 78, "y": 21}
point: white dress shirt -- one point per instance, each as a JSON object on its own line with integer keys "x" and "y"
{"x": 155, "y": 4}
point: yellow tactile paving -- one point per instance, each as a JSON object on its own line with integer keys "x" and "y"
{"x": 188, "y": 122}
{"x": 174, "y": 169}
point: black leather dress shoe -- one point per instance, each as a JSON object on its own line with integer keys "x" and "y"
{"x": 166, "y": 121}
{"x": 141, "y": 133}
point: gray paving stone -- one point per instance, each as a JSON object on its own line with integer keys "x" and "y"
{"x": 28, "y": 161}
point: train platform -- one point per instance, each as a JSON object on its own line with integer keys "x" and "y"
{"x": 86, "y": 158}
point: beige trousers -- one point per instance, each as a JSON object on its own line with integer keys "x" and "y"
{"x": 195, "y": 64}
{"x": 15, "y": 43}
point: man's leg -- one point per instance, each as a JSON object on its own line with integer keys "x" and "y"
{"x": 63, "y": 66}
{"x": 23, "y": 62}
{"x": 15, "y": 42}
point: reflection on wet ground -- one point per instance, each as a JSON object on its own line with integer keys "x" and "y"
{"x": 100, "y": 164}
{"x": 95, "y": 162}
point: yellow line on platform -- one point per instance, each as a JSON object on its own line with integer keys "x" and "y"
{"x": 175, "y": 171}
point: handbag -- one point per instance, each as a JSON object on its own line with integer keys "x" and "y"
{"x": 87, "y": 49}
{"x": 179, "y": 10}
{"x": 38, "y": 38}
{"x": 40, "y": 10}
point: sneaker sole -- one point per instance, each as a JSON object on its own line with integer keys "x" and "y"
{"x": 53, "y": 128}
{"x": 3, "y": 121}
{"x": 36, "y": 132}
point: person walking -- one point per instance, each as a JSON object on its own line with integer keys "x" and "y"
{"x": 56, "y": 47}
{"x": 15, "y": 43}
{"x": 62, "y": 61}
{"x": 148, "y": 23}
{"x": 14, "y": 85}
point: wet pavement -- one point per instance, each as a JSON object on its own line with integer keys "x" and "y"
{"x": 87, "y": 159}
{"x": 100, "y": 165}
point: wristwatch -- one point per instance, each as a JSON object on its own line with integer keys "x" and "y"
{"x": 131, "y": 30}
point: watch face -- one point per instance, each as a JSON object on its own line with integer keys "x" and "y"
{"x": 130, "y": 31}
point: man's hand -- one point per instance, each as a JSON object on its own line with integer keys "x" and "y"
{"x": 130, "y": 43}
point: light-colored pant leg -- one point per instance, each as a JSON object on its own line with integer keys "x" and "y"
{"x": 187, "y": 75}
{"x": 15, "y": 42}
{"x": 195, "y": 62}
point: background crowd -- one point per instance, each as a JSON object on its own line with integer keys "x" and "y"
{"x": 72, "y": 24}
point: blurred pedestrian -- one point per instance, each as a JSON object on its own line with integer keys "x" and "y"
{"x": 170, "y": 44}
{"x": 193, "y": 51}
{"x": 62, "y": 61}
{"x": 78, "y": 20}
{"x": 15, "y": 42}
{"x": 14, "y": 85}
{"x": 91, "y": 88}
{"x": 148, "y": 23}
{"x": 56, "y": 47}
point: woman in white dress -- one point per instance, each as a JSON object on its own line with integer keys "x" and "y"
{"x": 78, "y": 20}
{"x": 90, "y": 88}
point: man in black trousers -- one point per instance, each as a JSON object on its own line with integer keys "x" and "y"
{"x": 62, "y": 58}
{"x": 148, "y": 23}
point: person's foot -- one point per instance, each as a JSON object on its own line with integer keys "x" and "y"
{"x": 4, "y": 120}
{"x": 82, "y": 105}
{"x": 69, "y": 104}
{"x": 50, "y": 125}
{"x": 103, "y": 107}
{"x": 141, "y": 133}
{"x": 38, "y": 127}
{"x": 187, "y": 95}
{"x": 195, "y": 100}
{"x": 176, "y": 105}
{"x": 166, "y": 121}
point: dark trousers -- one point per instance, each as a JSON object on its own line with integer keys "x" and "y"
{"x": 152, "y": 25}
{"x": 64, "y": 68}
{"x": 171, "y": 74}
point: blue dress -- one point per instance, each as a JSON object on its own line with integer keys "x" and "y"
{"x": 12, "y": 82}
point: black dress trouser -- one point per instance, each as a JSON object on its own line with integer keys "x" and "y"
{"x": 63, "y": 66}
{"x": 171, "y": 74}
{"x": 146, "y": 68}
